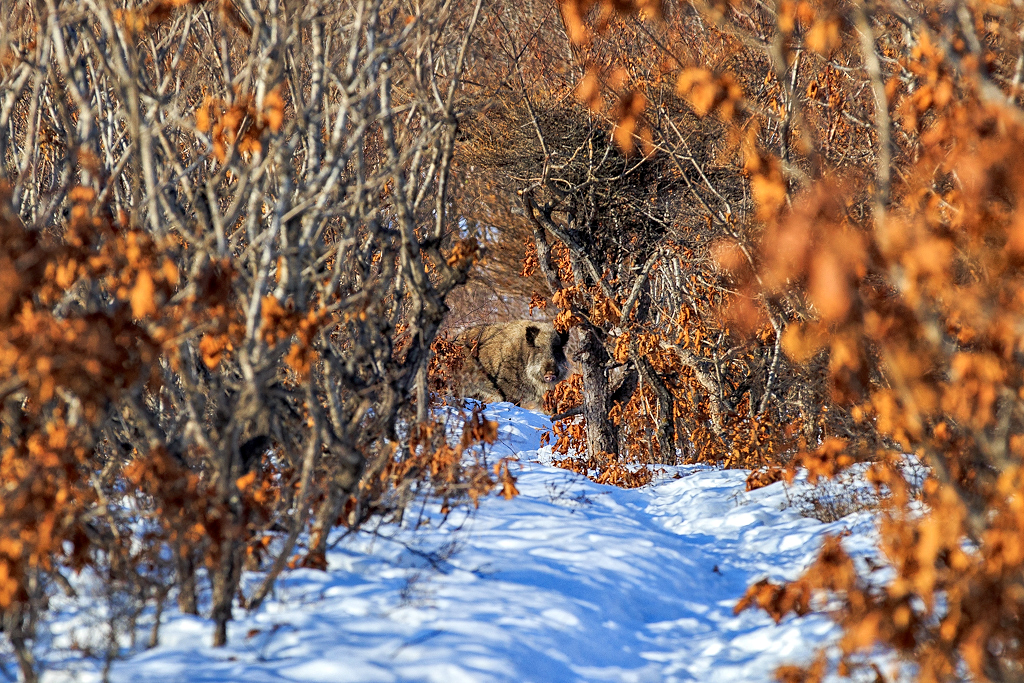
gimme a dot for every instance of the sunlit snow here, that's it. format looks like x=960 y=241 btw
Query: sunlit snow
x=570 y=581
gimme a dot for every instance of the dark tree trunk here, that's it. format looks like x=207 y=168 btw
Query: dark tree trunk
x=26 y=660
x=666 y=419
x=225 y=585
x=18 y=626
x=325 y=519
x=223 y=578
x=187 y=603
x=592 y=357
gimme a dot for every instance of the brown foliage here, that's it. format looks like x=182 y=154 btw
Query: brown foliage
x=816 y=260
x=217 y=298
x=782 y=236
x=881 y=151
x=627 y=246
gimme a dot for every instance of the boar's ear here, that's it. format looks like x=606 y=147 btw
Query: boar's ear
x=531 y=334
x=563 y=337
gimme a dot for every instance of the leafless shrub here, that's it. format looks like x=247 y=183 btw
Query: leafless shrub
x=228 y=232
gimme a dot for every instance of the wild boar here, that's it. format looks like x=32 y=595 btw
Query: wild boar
x=516 y=361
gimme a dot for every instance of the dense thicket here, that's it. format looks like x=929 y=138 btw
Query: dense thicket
x=617 y=199
x=781 y=233
x=846 y=222
x=225 y=246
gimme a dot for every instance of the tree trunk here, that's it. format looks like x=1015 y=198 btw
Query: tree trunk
x=187 y=603
x=602 y=439
x=18 y=625
x=225 y=585
x=666 y=420
x=26 y=660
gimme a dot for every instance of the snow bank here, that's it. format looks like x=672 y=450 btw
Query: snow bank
x=571 y=581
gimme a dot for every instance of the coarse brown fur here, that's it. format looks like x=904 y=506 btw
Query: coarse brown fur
x=516 y=361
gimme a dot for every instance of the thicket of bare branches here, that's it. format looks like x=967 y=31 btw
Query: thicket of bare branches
x=858 y=268
x=616 y=198
x=225 y=249
x=785 y=234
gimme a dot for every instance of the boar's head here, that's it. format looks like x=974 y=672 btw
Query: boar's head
x=546 y=364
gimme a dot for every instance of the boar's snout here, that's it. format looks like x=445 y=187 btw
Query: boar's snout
x=548 y=360
x=553 y=370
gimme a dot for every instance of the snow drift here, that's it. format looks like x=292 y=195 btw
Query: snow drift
x=570 y=581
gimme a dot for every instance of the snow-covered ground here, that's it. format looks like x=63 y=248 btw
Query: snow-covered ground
x=570 y=581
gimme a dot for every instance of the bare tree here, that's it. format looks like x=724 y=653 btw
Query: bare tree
x=274 y=178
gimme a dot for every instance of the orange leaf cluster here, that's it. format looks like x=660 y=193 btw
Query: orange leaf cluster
x=708 y=92
x=280 y=324
x=606 y=470
x=238 y=124
x=454 y=471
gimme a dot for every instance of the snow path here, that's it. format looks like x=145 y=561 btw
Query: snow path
x=571 y=581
